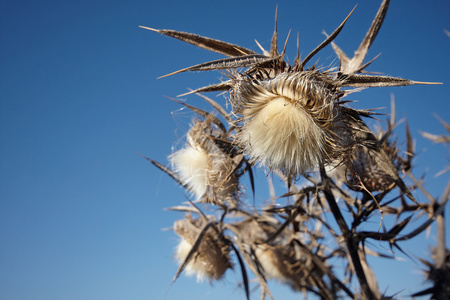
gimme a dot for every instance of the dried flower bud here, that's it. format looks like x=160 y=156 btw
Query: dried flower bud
x=282 y=263
x=207 y=170
x=280 y=259
x=211 y=258
x=374 y=167
x=368 y=168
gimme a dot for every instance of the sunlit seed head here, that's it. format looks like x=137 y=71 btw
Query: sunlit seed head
x=266 y=259
x=283 y=136
x=192 y=165
x=207 y=170
x=285 y=120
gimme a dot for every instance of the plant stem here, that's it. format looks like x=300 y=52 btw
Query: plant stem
x=352 y=244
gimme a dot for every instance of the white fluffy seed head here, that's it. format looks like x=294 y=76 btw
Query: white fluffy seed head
x=192 y=165
x=284 y=136
x=286 y=120
x=208 y=171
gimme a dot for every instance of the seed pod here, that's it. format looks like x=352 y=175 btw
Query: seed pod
x=278 y=259
x=211 y=258
x=209 y=172
x=374 y=167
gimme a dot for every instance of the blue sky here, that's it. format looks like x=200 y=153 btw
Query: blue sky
x=81 y=213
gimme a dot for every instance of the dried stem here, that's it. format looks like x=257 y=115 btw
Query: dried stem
x=351 y=242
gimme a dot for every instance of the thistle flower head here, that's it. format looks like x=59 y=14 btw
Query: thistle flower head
x=207 y=170
x=285 y=120
x=280 y=258
x=375 y=164
x=211 y=258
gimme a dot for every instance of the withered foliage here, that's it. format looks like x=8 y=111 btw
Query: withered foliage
x=292 y=120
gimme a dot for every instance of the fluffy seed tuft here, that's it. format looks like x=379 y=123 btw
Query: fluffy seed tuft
x=283 y=136
x=192 y=165
x=285 y=121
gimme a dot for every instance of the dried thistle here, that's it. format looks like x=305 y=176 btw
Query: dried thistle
x=292 y=119
x=267 y=255
x=285 y=120
x=208 y=170
x=211 y=258
x=372 y=170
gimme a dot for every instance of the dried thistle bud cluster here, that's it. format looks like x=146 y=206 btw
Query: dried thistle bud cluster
x=293 y=120
x=438 y=276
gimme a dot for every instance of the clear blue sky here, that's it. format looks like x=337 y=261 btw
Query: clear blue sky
x=81 y=213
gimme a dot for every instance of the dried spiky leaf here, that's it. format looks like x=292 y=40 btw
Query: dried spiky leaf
x=328 y=40
x=354 y=65
x=226 y=63
x=166 y=170
x=440 y=139
x=204 y=42
x=223 y=86
x=378 y=81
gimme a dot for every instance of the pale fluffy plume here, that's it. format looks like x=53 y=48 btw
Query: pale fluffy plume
x=192 y=166
x=285 y=120
x=283 y=136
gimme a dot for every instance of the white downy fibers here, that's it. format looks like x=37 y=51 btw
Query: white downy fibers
x=282 y=135
x=192 y=166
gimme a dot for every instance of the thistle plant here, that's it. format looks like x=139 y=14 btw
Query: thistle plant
x=293 y=121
